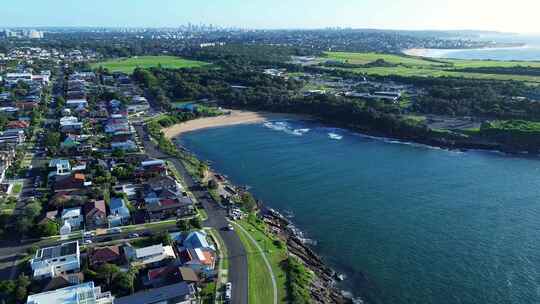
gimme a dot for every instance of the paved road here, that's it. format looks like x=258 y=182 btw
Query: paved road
x=238 y=268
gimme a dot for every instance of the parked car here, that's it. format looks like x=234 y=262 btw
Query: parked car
x=133 y=235
x=230 y=227
x=147 y=233
x=228 y=291
x=115 y=230
x=88 y=241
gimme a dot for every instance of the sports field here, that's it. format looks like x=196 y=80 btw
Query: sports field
x=127 y=65
x=418 y=66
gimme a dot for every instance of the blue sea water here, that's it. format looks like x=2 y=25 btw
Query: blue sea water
x=406 y=223
x=530 y=52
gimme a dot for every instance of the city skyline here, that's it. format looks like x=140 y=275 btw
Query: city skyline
x=300 y=14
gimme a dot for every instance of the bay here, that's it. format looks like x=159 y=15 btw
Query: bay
x=406 y=223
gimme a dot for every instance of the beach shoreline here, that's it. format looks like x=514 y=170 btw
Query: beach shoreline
x=233 y=117
x=425 y=52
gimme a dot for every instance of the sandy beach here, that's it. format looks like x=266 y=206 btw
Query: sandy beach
x=415 y=52
x=234 y=118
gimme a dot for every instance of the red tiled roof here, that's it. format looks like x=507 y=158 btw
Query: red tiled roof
x=104 y=254
x=208 y=258
x=156 y=273
x=18 y=124
x=98 y=205
x=168 y=202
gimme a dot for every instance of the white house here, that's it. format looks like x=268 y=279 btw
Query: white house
x=76 y=103
x=149 y=255
x=72 y=216
x=50 y=262
x=84 y=293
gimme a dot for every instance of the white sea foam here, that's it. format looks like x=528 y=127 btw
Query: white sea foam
x=334 y=136
x=285 y=127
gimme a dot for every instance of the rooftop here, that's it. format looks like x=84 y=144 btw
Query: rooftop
x=84 y=293
x=176 y=293
x=58 y=251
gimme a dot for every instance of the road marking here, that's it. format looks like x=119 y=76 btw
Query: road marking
x=264 y=258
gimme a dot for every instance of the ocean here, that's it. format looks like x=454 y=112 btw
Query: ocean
x=530 y=52
x=404 y=222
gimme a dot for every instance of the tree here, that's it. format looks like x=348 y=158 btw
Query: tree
x=195 y=222
x=183 y=225
x=123 y=283
x=212 y=184
x=52 y=141
x=118 y=153
x=48 y=228
x=248 y=201
x=24 y=224
x=107 y=272
x=60 y=102
x=7 y=290
x=33 y=209
x=203 y=168
x=22 y=288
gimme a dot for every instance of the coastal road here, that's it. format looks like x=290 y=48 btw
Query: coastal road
x=217 y=219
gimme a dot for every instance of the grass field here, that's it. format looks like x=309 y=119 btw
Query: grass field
x=260 y=284
x=127 y=65
x=417 y=66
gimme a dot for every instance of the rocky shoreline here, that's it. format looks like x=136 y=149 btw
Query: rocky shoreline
x=324 y=287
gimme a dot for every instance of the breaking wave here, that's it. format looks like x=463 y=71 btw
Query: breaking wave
x=285 y=127
x=335 y=136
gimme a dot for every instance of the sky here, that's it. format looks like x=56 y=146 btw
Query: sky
x=508 y=16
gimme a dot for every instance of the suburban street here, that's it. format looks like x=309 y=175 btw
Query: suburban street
x=238 y=267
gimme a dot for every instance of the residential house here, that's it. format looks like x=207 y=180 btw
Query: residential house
x=70 y=124
x=70 y=142
x=151 y=168
x=70 y=183
x=6 y=158
x=63 y=280
x=95 y=214
x=50 y=216
x=71 y=220
x=76 y=103
x=198 y=259
x=180 y=293
x=12 y=137
x=85 y=293
x=126 y=145
x=170 y=274
x=197 y=239
x=101 y=255
x=164 y=197
x=62 y=167
x=150 y=256
x=17 y=125
x=117 y=123
x=119 y=213
x=50 y=262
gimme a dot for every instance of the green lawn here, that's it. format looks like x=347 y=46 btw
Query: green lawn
x=260 y=283
x=127 y=65
x=363 y=58
x=417 y=66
